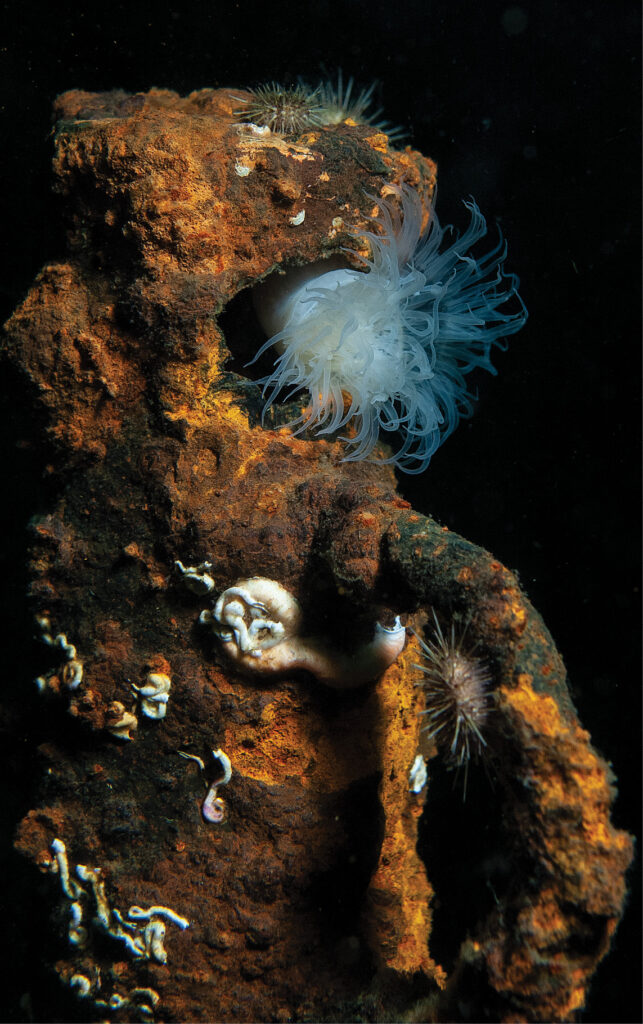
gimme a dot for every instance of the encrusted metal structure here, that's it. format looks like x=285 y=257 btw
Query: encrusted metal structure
x=297 y=891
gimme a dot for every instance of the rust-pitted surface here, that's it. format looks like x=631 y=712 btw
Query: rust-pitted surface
x=309 y=900
x=399 y=895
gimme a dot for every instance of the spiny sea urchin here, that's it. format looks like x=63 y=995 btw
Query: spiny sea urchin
x=285 y=110
x=291 y=109
x=457 y=695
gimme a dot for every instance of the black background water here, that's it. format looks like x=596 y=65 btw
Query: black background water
x=532 y=108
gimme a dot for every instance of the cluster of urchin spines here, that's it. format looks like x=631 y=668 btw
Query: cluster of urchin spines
x=457 y=694
x=285 y=110
x=293 y=109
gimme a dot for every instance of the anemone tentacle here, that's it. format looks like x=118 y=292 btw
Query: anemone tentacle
x=398 y=336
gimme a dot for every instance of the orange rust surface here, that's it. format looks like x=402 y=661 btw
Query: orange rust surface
x=567 y=773
x=399 y=894
x=582 y=855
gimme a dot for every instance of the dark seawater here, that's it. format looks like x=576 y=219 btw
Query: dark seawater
x=532 y=108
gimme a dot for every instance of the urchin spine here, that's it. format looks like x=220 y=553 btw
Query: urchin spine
x=457 y=694
x=285 y=110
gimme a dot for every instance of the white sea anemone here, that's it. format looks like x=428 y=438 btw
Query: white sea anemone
x=387 y=349
x=339 y=103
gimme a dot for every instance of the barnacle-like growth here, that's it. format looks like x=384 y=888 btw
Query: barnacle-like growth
x=197 y=577
x=154 y=694
x=71 y=672
x=255 y=615
x=258 y=622
x=213 y=807
x=142 y=935
x=417 y=775
x=119 y=721
x=397 y=338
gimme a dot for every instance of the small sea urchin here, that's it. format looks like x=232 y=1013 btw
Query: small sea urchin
x=456 y=690
x=292 y=109
x=285 y=110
